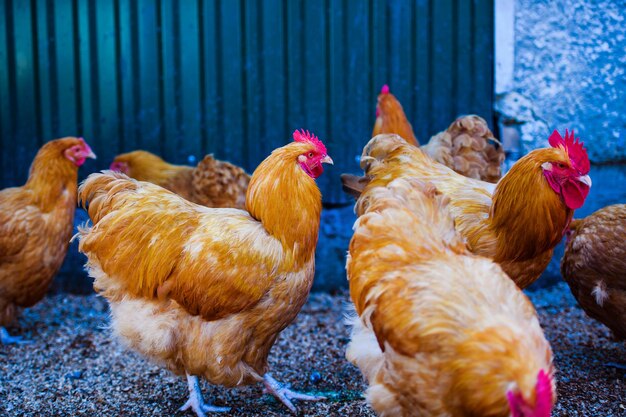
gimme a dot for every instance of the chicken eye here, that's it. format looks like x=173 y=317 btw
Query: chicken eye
x=560 y=165
x=310 y=154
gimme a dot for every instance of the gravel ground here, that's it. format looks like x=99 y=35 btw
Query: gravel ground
x=73 y=367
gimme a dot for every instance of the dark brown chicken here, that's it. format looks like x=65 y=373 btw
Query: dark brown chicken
x=594 y=266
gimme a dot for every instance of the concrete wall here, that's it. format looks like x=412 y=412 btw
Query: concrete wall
x=568 y=72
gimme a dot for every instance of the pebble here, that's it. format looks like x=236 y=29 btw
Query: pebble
x=309 y=355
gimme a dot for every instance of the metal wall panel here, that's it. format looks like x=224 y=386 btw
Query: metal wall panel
x=234 y=77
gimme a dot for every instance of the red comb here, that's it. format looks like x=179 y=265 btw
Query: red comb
x=543 y=399
x=574 y=148
x=87 y=147
x=305 y=136
x=543 y=393
x=385 y=89
x=515 y=403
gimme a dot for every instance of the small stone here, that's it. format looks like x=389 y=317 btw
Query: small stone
x=74 y=375
x=315 y=377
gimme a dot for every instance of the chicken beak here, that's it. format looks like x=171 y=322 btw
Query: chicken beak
x=327 y=160
x=89 y=153
x=585 y=179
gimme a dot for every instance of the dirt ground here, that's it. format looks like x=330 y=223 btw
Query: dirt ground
x=73 y=367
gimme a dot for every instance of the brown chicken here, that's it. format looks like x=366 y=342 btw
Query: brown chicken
x=206 y=291
x=467 y=145
x=517 y=222
x=211 y=183
x=594 y=266
x=440 y=332
x=36 y=222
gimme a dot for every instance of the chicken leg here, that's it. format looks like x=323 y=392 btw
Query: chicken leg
x=7 y=339
x=284 y=394
x=196 y=402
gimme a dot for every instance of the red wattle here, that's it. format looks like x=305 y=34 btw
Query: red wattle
x=313 y=172
x=574 y=193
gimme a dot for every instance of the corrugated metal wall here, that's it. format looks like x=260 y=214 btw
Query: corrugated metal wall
x=233 y=77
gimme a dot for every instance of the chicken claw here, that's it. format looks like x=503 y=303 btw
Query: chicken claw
x=196 y=402
x=7 y=339
x=284 y=394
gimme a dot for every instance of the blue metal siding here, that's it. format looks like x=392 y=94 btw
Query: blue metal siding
x=233 y=77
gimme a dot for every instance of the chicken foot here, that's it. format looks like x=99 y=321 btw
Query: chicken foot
x=196 y=402
x=7 y=339
x=284 y=394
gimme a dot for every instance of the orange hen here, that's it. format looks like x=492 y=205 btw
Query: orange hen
x=205 y=291
x=36 y=222
x=517 y=222
x=212 y=183
x=440 y=331
x=467 y=145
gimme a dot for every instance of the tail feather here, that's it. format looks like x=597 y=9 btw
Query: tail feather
x=219 y=183
x=96 y=194
x=468 y=147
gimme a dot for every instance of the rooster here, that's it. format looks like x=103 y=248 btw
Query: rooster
x=516 y=222
x=211 y=183
x=440 y=331
x=206 y=291
x=36 y=222
x=594 y=266
x=467 y=146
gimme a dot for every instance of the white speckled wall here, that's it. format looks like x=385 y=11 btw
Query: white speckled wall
x=569 y=71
